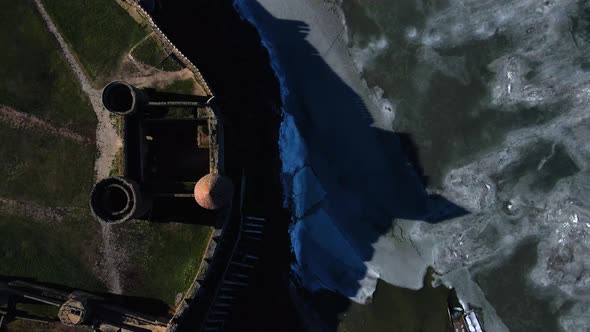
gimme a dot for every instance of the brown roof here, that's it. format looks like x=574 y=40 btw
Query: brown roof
x=213 y=191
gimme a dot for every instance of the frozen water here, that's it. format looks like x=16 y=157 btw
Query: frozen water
x=365 y=56
x=495 y=94
x=531 y=180
x=326 y=254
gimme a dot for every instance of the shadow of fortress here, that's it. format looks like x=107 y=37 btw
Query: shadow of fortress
x=370 y=176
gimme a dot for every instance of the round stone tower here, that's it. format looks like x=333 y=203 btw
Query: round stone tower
x=117 y=199
x=214 y=191
x=73 y=312
x=122 y=98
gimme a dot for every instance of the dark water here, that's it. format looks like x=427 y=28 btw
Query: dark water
x=392 y=309
x=441 y=94
x=507 y=282
x=493 y=95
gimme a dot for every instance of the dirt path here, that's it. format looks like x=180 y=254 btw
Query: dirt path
x=154 y=78
x=107 y=140
x=34 y=211
x=21 y=120
x=108 y=143
x=114 y=259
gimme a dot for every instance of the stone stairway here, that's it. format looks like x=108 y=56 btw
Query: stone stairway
x=236 y=277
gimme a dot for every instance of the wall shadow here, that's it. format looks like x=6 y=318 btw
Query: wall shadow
x=180 y=210
x=143 y=305
x=157 y=96
x=370 y=176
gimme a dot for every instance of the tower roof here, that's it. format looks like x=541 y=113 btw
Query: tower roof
x=213 y=191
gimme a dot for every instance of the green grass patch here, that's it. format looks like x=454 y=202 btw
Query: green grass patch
x=117 y=164
x=55 y=172
x=46 y=169
x=164 y=258
x=150 y=52
x=35 y=77
x=50 y=252
x=100 y=32
x=42 y=310
x=185 y=87
x=170 y=64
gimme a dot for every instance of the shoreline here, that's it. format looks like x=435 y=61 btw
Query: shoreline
x=301 y=181
x=323 y=92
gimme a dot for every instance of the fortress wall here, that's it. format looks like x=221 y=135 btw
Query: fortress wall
x=169 y=46
x=191 y=294
x=209 y=269
x=216 y=165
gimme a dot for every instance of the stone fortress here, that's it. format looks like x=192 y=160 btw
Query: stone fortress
x=172 y=149
x=172 y=172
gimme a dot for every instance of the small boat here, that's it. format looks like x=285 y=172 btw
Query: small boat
x=461 y=316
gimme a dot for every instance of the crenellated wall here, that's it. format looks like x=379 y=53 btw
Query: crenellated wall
x=169 y=46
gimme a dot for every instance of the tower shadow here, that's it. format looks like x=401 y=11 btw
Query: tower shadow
x=29 y=290
x=370 y=176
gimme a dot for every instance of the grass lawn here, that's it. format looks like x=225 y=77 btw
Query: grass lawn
x=50 y=171
x=45 y=169
x=164 y=258
x=35 y=77
x=43 y=310
x=170 y=64
x=186 y=87
x=56 y=252
x=40 y=168
x=100 y=32
x=151 y=52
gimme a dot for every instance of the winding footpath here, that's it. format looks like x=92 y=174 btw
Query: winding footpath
x=107 y=140
x=22 y=120
x=35 y=211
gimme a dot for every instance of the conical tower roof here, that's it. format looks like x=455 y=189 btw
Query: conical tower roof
x=213 y=191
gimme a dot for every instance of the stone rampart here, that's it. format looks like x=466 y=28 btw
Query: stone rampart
x=169 y=46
